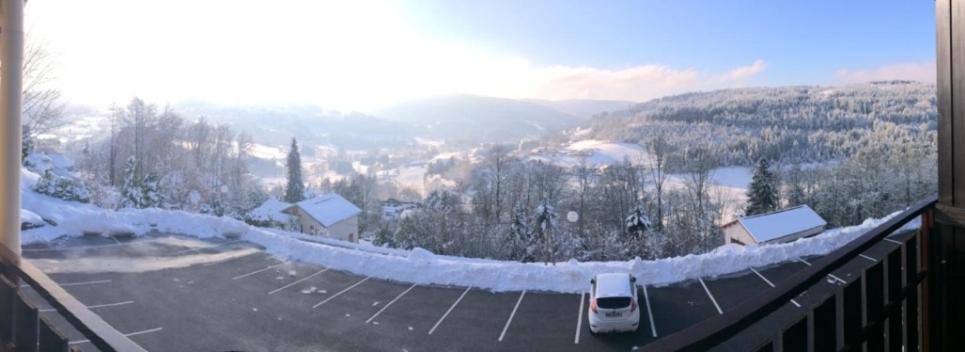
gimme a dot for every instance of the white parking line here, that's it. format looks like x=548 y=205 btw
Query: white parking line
x=829 y=275
x=142 y=332
x=868 y=258
x=579 y=319
x=762 y=277
x=837 y=278
x=48 y=310
x=893 y=241
x=712 y=299
x=646 y=297
x=772 y=285
x=296 y=281
x=390 y=303
x=511 y=315
x=340 y=292
x=115 y=239
x=82 y=283
x=453 y=306
x=256 y=271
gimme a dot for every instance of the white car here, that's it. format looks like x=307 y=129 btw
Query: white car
x=613 y=303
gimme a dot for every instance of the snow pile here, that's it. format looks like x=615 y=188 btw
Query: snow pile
x=419 y=265
x=422 y=267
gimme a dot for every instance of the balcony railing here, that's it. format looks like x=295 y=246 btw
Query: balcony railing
x=883 y=309
x=22 y=328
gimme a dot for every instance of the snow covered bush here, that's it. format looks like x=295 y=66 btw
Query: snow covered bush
x=62 y=187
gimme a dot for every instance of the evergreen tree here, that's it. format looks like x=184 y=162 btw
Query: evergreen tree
x=762 y=193
x=152 y=197
x=519 y=239
x=295 y=191
x=27 y=145
x=132 y=195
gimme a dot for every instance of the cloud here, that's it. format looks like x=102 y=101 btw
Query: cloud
x=637 y=83
x=922 y=72
x=745 y=72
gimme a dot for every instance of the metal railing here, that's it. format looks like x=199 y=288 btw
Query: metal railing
x=882 y=309
x=22 y=328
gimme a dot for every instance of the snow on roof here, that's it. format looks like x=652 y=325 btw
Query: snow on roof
x=771 y=226
x=270 y=210
x=613 y=285
x=328 y=208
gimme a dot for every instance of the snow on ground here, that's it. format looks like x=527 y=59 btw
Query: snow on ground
x=262 y=151
x=418 y=265
x=599 y=153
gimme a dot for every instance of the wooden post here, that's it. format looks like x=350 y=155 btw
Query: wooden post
x=944 y=244
x=11 y=67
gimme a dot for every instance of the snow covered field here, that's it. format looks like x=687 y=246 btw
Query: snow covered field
x=417 y=265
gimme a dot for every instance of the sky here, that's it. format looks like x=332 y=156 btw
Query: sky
x=365 y=55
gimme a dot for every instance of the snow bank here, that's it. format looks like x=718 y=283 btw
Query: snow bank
x=423 y=267
x=419 y=265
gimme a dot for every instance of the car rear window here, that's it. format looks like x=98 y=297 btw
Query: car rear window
x=613 y=302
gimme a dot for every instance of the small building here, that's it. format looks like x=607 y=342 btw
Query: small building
x=784 y=225
x=327 y=215
x=394 y=209
x=270 y=214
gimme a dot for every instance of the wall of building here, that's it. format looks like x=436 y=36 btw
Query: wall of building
x=739 y=233
x=346 y=230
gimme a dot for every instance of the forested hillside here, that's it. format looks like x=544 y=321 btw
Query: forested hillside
x=791 y=124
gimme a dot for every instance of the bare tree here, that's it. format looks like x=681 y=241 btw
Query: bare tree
x=659 y=150
x=43 y=108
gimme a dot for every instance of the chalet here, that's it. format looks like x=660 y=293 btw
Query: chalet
x=327 y=215
x=270 y=214
x=784 y=225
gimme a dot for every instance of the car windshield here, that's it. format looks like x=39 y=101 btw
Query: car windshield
x=613 y=302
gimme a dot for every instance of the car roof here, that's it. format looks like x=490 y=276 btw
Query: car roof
x=613 y=285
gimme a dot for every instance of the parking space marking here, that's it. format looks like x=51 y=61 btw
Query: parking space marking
x=511 y=315
x=386 y=306
x=296 y=281
x=93 y=246
x=868 y=258
x=48 y=310
x=712 y=299
x=837 y=278
x=82 y=283
x=142 y=332
x=115 y=239
x=579 y=319
x=804 y=261
x=453 y=306
x=762 y=277
x=893 y=241
x=340 y=292
x=242 y=276
x=772 y=285
x=646 y=297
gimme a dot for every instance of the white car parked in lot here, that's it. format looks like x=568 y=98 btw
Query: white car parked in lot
x=613 y=303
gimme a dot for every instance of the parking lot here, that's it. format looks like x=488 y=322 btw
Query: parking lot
x=175 y=293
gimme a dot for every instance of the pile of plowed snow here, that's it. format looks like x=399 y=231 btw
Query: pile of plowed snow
x=418 y=265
